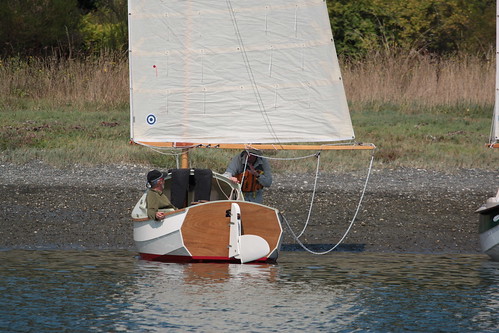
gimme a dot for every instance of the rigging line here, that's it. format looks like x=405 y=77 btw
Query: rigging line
x=221 y=189
x=286 y=158
x=318 y=156
x=245 y=165
x=159 y=151
x=351 y=222
x=244 y=169
x=313 y=195
x=259 y=100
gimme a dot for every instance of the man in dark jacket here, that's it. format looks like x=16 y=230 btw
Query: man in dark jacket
x=252 y=171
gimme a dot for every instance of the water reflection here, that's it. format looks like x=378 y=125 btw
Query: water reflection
x=210 y=273
x=114 y=291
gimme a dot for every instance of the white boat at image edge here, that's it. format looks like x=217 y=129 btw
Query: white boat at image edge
x=489 y=212
x=234 y=74
x=489 y=227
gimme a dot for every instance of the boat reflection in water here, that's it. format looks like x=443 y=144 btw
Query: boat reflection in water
x=110 y=291
x=380 y=292
x=208 y=273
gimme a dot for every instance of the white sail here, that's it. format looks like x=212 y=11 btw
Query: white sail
x=494 y=134
x=235 y=71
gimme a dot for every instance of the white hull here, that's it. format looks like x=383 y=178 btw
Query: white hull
x=489 y=227
x=160 y=238
x=213 y=231
x=489 y=241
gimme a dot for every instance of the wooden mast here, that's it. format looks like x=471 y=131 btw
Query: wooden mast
x=184 y=162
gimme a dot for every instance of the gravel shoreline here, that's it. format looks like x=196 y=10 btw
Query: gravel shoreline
x=403 y=210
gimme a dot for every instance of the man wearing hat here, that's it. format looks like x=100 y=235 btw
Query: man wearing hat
x=253 y=172
x=156 y=200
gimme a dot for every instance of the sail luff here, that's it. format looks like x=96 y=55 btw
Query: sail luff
x=132 y=119
x=494 y=136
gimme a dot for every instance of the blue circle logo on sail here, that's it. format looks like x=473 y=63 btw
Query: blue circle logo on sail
x=151 y=119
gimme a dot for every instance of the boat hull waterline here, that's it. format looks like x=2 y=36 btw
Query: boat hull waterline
x=205 y=233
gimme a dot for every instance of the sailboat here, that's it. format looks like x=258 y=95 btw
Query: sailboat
x=489 y=211
x=232 y=74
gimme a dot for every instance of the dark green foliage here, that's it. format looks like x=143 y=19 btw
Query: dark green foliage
x=38 y=27
x=62 y=27
x=73 y=27
x=355 y=26
x=87 y=5
x=441 y=27
x=105 y=27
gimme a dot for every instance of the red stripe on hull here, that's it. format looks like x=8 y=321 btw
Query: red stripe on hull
x=187 y=259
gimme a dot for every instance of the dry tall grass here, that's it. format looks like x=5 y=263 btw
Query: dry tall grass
x=414 y=79
x=101 y=81
x=395 y=78
x=413 y=93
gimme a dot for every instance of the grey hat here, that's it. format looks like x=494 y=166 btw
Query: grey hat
x=252 y=151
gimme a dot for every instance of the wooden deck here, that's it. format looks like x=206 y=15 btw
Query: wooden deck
x=206 y=227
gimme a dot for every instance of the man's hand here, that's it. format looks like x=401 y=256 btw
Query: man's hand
x=160 y=215
x=253 y=171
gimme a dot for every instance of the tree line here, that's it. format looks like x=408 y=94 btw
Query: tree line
x=83 y=27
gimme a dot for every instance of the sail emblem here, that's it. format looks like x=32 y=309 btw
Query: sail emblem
x=151 y=119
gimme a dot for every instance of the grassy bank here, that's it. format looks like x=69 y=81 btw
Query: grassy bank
x=419 y=111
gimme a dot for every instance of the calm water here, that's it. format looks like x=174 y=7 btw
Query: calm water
x=112 y=291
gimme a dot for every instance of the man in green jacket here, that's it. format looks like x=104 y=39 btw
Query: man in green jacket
x=156 y=200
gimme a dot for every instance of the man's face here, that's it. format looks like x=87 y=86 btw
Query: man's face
x=251 y=159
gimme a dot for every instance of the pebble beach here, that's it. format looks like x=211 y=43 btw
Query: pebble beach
x=402 y=211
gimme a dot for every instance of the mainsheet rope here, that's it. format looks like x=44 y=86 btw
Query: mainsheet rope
x=296 y=238
x=318 y=155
